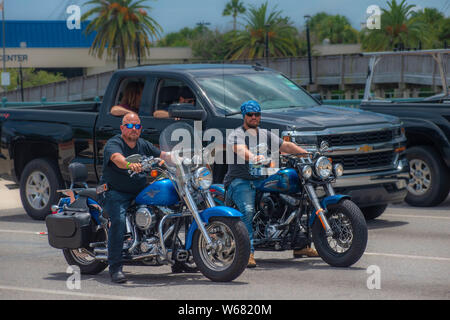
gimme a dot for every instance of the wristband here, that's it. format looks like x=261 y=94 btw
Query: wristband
x=128 y=165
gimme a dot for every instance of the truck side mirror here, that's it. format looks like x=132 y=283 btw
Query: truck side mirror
x=186 y=111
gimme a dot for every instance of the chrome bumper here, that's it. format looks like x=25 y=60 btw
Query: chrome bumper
x=398 y=175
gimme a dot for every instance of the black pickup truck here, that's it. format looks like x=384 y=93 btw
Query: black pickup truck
x=38 y=143
x=427 y=126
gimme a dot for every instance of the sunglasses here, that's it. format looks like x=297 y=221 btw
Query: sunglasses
x=130 y=126
x=251 y=114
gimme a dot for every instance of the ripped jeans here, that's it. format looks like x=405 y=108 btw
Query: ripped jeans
x=242 y=193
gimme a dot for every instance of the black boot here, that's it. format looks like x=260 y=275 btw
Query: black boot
x=117 y=276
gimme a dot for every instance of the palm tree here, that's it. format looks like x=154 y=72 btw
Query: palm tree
x=398 y=29
x=250 y=43
x=432 y=19
x=335 y=28
x=122 y=26
x=233 y=8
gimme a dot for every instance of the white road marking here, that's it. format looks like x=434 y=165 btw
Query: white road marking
x=41 y=233
x=413 y=216
x=71 y=293
x=405 y=256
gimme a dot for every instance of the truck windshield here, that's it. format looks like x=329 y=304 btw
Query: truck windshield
x=272 y=91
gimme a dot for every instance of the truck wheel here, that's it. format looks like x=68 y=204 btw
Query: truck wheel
x=38 y=184
x=429 y=177
x=373 y=212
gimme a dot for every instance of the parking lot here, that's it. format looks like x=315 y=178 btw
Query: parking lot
x=407 y=257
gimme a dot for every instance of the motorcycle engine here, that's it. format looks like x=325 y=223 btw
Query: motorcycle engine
x=271 y=206
x=144 y=218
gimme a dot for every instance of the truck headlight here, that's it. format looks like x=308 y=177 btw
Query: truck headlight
x=202 y=178
x=338 y=169
x=309 y=143
x=323 y=167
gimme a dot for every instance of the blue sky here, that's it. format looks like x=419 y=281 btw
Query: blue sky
x=173 y=15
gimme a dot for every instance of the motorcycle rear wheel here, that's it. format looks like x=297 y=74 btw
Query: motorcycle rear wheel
x=349 y=239
x=230 y=260
x=84 y=259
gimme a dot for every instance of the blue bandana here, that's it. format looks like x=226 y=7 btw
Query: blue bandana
x=250 y=106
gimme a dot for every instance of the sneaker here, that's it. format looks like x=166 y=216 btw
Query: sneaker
x=306 y=251
x=251 y=261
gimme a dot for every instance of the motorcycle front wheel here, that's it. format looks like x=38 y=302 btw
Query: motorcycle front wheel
x=230 y=257
x=348 y=242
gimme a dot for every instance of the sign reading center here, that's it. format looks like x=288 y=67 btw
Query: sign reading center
x=14 y=57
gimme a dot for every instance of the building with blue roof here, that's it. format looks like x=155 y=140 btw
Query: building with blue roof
x=54 y=46
x=45 y=34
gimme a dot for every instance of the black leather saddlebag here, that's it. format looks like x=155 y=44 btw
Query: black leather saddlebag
x=69 y=229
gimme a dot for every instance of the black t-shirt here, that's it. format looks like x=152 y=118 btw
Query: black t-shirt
x=119 y=179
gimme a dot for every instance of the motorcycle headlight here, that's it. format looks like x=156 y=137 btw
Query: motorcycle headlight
x=338 y=169
x=202 y=178
x=323 y=167
x=307 y=172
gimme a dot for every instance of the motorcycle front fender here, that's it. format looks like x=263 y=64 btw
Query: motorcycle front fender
x=330 y=200
x=205 y=215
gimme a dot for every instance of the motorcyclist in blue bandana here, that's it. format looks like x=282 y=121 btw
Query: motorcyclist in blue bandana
x=239 y=181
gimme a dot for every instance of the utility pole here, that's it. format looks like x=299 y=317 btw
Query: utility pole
x=308 y=40
x=2 y=6
x=21 y=81
x=138 y=48
x=267 y=44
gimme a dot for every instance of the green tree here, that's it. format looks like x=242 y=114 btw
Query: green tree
x=398 y=29
x=432 y=20
x=260 y=22
x=212 y=46
x=335 y=28
x=444 y=32
x=32 y=78
x=121 y=26
x=234 y=8
x=184 y=37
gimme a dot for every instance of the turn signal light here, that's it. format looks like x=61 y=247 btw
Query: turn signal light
x=154 y=173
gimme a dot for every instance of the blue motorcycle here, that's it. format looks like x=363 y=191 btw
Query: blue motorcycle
x=297 y=206
x=164 y=225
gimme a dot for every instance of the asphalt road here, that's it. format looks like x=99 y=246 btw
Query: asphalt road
x=407 y=257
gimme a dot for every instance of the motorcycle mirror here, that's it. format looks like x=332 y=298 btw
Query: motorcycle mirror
x=134 y=158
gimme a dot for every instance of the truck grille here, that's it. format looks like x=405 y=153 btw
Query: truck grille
x=365 y=161
x=335 y=140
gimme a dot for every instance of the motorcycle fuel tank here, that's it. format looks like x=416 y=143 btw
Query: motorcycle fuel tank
x=285 y=181
x=158 y=193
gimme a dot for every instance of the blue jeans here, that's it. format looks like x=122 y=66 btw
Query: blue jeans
x=242 y=193
x=116 y=204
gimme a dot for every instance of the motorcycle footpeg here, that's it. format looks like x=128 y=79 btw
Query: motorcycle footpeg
x=181 y=255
